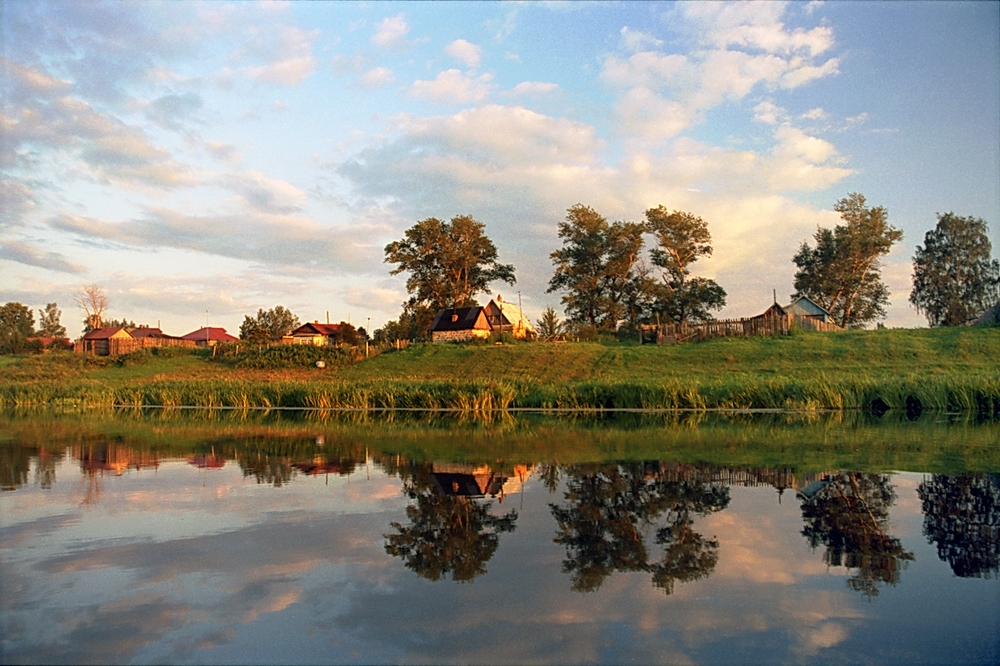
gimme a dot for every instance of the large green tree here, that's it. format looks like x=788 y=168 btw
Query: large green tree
x=449 y=263
x=17 y=324
x=48 y=322
x=681 y=239
x=598 y=267
x=268 y=325
x=954 y=278
x=842 y=272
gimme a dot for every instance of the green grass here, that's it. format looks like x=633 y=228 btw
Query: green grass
x=925 y=369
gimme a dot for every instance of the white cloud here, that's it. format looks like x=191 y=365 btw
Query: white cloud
x=292 y=62
x=756 y=26
x=376 y=78
x=264 y=194
x=452 y=86
x=533 y=88
x=636 y=40
x=391 y=31
x=224 y=151
x=465 y=51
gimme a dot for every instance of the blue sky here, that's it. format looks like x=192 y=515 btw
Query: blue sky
x=192 y=157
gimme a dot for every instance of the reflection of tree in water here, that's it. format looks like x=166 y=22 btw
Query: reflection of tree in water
x=962 y=517
x=849 y=516
x=448 y=533
x=611 y=508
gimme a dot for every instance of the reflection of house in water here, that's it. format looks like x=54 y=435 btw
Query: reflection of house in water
x=115 y=458
x=207 y=462
x=321 y=466
x=479 y=480
x=805 y=485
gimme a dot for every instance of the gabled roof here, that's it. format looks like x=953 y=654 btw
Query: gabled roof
x=511 y=313
x=105 y=333
x=806 y=306
x=316 y=328
x=460 y=319
x=211 y=334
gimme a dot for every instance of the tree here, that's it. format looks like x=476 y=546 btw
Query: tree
x=961 y=515
x=48 y=322
x=681 y=239
x=954 y=279
x=447 y=534
x=93 y=302
x=124 y=322
x=17 y=324
x=842 y=273
x=448 y=262
x=268 y=325
x=549 y=326
x=597 y=267
x=850 y=517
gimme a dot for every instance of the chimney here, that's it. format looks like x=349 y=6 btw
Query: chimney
x=454 y=317
x=499 y=298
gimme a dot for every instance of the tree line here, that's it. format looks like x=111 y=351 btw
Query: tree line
x=610 y=282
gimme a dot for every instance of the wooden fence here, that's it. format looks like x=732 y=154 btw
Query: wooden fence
x=772 y=324
x=117 y=346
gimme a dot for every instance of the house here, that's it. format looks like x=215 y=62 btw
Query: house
x=314 y=334
x=208 y=336
x=99 y=340
x=147 y=332
x=460 y=325
x=804 y=306
x=505 y=317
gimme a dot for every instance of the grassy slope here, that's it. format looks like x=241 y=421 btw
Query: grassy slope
x=943 y=368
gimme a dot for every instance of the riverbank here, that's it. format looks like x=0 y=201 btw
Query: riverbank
x=913 y=370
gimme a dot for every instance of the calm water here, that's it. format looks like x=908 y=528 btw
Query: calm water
x=151 y=537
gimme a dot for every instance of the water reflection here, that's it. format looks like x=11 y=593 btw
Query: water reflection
x=301 y=536
x=451 y=528
x=609 y=512
x=962 y=518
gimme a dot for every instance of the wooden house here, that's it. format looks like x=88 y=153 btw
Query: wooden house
x=207 y=336
x=314 y=334
x=803 y=306
x=505 y=317
x=460 y=325
x=99 y=340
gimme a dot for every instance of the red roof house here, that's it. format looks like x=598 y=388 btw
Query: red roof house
x=208 y=336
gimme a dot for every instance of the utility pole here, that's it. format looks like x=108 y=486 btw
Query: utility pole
x=368 y=335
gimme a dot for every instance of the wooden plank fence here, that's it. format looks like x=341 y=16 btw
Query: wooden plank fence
x=771 y=324
x=118 y=346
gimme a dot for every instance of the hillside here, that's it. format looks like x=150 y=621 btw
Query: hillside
x=950 y=369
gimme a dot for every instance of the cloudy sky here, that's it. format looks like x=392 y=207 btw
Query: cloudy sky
x=193 y=157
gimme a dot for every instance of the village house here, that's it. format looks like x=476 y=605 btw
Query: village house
x=465 y=324
x=208 y=336
x=460 y=325
x=98 y=341
x=314 y=334
x=117 y=340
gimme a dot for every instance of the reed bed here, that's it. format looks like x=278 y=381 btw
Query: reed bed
x=979 y=394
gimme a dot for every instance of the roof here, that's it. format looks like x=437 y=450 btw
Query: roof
x=460 y=319
x=512 y=314
x=316 y=328
x=146 y=332
x=210 y=333
x=105 y=333
x=806 y=306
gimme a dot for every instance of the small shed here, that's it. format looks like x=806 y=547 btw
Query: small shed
x=208 y=336
x=98 y=341
x=460 y=325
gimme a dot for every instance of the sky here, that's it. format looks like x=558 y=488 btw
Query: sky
x=200 y=161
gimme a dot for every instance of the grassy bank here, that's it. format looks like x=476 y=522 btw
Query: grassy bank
x=914 y=370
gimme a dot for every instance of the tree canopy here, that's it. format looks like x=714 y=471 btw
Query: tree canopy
x=449 y=262
x=842 y=272
x=93 y=301
x=682 y=238
x=597 y=267
x=954 y=278
x=268 y=325
x=48 y=322
x=17 y=324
